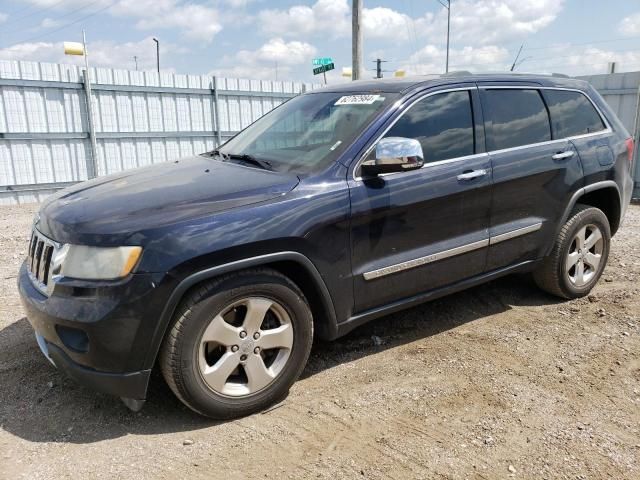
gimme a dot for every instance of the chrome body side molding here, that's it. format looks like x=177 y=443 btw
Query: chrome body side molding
x=418 y=262
x=515 y=233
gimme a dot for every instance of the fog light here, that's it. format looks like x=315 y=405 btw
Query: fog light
x=74 y=339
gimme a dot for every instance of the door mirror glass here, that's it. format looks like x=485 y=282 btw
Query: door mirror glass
x=394 y=154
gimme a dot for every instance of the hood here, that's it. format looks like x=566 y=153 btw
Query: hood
x=157 y=196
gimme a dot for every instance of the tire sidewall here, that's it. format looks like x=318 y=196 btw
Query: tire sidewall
x=592 y=216
x=200 y=396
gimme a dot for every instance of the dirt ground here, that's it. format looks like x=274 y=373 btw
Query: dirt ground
x=498 y=381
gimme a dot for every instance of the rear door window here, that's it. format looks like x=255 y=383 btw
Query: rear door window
x=442 y=123
x=515 y=117
x=572 y=114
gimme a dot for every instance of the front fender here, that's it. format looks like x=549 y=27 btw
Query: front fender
x=262 y=260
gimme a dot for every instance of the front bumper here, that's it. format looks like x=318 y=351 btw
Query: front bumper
x=98 y=334
x=125 y=385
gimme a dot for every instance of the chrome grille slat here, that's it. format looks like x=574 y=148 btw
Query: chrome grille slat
x=39 y=258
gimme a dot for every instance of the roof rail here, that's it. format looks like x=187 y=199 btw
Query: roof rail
x=561 y=75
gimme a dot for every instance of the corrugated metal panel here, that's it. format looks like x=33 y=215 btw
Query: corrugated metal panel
x=44 y=129
x=620 y=90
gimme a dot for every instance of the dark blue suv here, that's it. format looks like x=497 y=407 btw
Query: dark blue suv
x=339 y=206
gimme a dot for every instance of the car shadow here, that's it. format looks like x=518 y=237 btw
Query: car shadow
x=40 y=404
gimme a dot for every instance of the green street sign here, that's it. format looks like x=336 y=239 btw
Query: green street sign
x=323 y=68
x=322 y=61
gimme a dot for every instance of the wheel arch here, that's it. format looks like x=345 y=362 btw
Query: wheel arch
x=294 y=265
x=603 y=195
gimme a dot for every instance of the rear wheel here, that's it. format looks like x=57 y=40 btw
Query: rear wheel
x=238 y=343
x=579 y=255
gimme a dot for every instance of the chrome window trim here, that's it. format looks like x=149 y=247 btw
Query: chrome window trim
x=606 y=123
x=607 y=130
x=390 y=126
x=434 y=257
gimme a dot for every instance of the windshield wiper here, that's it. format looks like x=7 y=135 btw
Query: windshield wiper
x=216 y=153
x=244 y=157
x=250 y=159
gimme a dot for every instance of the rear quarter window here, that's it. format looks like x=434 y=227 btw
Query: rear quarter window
x=572 y=114
x=516 y=118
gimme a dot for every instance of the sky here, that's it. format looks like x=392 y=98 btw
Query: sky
x=278 y=39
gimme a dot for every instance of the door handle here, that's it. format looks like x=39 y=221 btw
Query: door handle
x=563 y=155
x=472 y=174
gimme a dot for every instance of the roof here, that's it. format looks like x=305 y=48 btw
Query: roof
x=406 y=84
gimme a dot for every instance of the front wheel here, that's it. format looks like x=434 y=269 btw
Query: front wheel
x=579 y=254
x=238 y=343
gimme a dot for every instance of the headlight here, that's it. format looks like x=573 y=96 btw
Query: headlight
x=95 y=263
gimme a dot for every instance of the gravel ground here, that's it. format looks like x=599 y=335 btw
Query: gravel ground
x=498 y=381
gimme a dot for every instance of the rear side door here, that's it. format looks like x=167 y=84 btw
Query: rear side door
x=419 y=230
x=534 y=173
x=574 y=116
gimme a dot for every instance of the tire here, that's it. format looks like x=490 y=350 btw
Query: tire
x=205 y=342
x=559 y=273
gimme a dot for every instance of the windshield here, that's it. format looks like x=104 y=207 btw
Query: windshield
x=305 y=134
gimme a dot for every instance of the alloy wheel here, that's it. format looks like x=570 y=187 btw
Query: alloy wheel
x=584 y=255
x=245 y=346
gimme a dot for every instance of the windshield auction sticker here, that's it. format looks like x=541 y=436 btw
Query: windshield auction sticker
x=358 y=99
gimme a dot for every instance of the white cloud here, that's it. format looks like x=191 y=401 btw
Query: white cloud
x=382 y=22
x=330 y=17
x=473 y=21
x=277 y=50
x=630 y=25
x=102 y=53
x=490 y=21
x=431 y=59
x=564 y=59
x=50 y=23
x=581 y=61
x=239 y=3
x=263 y=62
x=196 y=21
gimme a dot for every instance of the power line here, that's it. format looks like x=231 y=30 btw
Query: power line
x=55 y=18
x=593 y=42
x=41 y=10
x=461 y=63
x=36 y=37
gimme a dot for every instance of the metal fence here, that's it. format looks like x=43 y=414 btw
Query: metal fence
x=141 y=118
x=622 y=92
x=138 y=118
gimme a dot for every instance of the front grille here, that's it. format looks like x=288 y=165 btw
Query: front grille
x=41 y=250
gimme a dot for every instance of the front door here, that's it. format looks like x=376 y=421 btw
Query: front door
x=419 y=230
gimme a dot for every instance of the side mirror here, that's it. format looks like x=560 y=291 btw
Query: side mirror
x=394 y=154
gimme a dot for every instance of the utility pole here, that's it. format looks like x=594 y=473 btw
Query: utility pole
x=157 y=53
x=356 y=40
x=448 y=7
x=93 y=166
x=379 y=63
x=135 y=59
